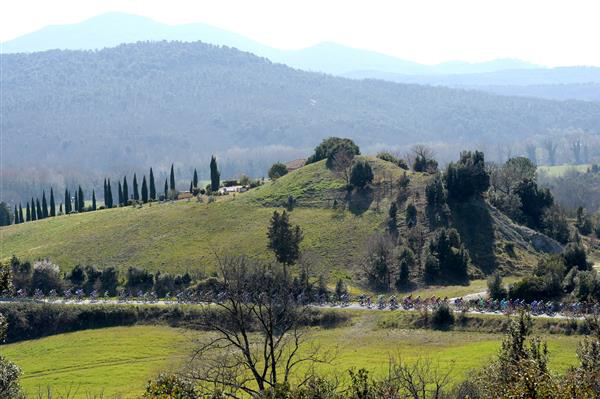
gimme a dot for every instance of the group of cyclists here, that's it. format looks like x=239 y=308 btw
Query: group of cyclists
x=381 y=302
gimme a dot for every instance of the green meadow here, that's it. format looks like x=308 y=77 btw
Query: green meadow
x=118 y=361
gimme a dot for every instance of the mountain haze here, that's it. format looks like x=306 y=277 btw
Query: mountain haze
x=112 y=29
x=144 y=104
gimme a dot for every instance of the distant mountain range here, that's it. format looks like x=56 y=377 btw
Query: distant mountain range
x=112 y=29
x=502 y=76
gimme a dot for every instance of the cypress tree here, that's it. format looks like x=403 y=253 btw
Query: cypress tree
x=16 y=217
x=215 y=176
x=111 y=201
x=136 y=192
x=81 y=200
x=144 y=190
x=76 y=202
x=38 y=211
x=67 y=201
x=120 y=195
x=125 y=191
x=105 y=194
x=60 y=208
x=21 y=220
x=152 y=186
x=93 y=200
x=33 y=212
x=172 y=179
x=166 y=190
x=28 y=215
x=191 y=186
x=195 y=179
x=52 y=203
x=44 y=205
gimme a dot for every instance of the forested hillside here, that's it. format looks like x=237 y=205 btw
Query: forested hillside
x=143 y=104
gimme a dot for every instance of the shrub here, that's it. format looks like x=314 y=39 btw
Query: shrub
x=277 y=170
x=574 y=256
x=386 y=156
x=442 y=318
x=361 y=174
x=495 y=288
x=452 y=259
x=46 y=277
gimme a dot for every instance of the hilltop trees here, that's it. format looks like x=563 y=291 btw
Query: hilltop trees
x=330 y=146
x=467 y=177
x=215 y=176
x=284 y=238
x=277 y=170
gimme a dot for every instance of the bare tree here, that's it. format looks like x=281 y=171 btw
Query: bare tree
x=530 y=149
x=342 y=164
x=551 y=146
x=255 y=332
x=577 y=148
x=420 y=380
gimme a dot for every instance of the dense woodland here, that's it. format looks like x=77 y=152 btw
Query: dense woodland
x=99 y=112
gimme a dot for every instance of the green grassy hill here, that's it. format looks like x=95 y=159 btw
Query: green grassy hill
x=187 y=235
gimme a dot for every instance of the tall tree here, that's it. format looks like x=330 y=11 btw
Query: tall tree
x=191 y=186
x=136 y=192
x=81 y=200
x=60 y=208
x=76 y=201
x=44 y=205
x=144 y=190
x=120 y=194
x=21 y=220
x=152 y=186
x=105 y=193
x=52 y=203
x=284 y=239
x=215 y=176
x=33 y=211
x=16 y=216
x=28 y=215
x=4 y=214
x=38 y=211
x=195 y=181
x=93 y=200
x=109 y=199
x=166 y=190
x=125 y=191
x=172 y=179
x=67 y=201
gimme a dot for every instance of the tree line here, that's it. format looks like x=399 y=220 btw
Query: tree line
x=36 y=209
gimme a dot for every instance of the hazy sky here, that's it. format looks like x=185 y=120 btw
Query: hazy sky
x=546 y=32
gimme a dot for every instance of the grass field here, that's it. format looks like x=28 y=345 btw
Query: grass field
x=560 y=170
x=109 y=361
x=120 y=360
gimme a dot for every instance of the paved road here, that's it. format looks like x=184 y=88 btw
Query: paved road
x=352 y=305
